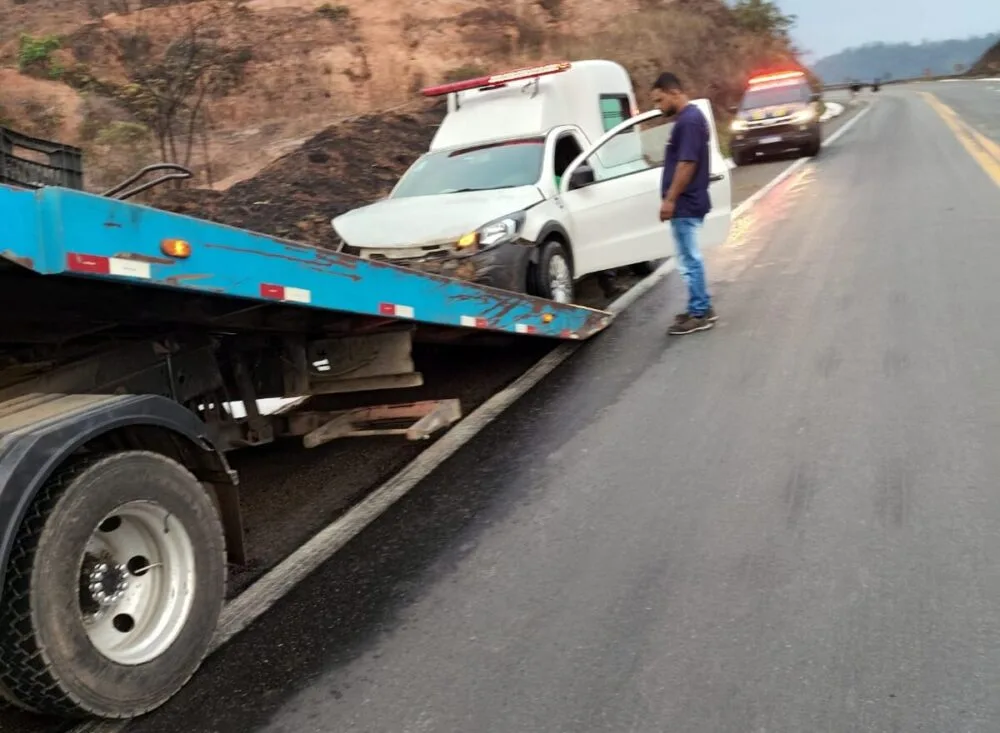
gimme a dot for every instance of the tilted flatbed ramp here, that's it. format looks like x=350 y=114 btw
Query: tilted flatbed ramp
x=56 y=231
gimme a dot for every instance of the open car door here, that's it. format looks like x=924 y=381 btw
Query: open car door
x=612 y=195
x=720 y=187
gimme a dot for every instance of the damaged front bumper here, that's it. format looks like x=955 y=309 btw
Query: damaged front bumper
x=503 y=266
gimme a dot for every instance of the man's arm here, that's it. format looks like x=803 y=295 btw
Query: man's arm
x=682 y=177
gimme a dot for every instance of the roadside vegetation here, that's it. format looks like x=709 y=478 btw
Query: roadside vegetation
x=224 y=85
x=989 y=63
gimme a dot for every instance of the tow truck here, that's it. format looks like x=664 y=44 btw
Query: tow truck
x=136 y=349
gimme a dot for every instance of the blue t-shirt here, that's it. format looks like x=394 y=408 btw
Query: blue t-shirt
x=689 y=143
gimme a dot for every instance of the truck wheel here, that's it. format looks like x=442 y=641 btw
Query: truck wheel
x=114 y=588
x=553 y=275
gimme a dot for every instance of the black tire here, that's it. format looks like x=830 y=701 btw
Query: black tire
x=741 y=159
x=541 y=273
x=645 y=269
x=812 y=150
x=47 y=661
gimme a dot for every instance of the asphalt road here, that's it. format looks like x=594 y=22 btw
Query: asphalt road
x=290 y=494
x=978 y=102
x=790 y=523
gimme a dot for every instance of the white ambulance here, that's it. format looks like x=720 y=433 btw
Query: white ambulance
x=535 y=178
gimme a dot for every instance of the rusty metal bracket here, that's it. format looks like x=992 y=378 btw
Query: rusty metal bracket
x=415 y=420
x=361 y=363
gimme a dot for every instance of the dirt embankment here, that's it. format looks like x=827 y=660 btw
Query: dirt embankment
x=345 y=166
x=292 y=67
x=988 y=64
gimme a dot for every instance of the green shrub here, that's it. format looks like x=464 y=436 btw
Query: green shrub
x=334 y=12
x=124 y=134
x=35 y=54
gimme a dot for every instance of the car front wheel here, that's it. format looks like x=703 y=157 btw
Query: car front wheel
x=553 y=274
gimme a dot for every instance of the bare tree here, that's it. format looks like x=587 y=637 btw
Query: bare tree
x=168 y=83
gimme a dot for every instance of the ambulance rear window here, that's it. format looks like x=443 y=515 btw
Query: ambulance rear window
x=614 y=110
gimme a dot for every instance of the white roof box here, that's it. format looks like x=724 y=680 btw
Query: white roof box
x=528 y=102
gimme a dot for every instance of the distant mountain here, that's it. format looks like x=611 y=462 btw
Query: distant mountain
x=903 y=60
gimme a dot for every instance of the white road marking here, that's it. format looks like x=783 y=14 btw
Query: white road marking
x=260 y=597
x=833 y=109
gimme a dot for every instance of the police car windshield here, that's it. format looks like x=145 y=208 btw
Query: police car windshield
x=771 y=96
x=486 y=167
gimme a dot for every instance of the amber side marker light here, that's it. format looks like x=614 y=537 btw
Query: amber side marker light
x=175 y=248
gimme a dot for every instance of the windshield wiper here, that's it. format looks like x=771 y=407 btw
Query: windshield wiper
x=491 y=188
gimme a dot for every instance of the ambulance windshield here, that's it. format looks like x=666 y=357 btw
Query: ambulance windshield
x=485 y=167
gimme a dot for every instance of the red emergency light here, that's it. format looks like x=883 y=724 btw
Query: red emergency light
x=496 y=80
x=777 y=77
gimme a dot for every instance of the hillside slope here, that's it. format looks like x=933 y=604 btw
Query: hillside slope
x=989 y=62
x=227 y=85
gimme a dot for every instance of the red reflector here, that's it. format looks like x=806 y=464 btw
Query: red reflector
x=275 y=292
x=88 y=263
x=495 y=79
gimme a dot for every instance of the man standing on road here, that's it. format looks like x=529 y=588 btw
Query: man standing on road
x=685 y=197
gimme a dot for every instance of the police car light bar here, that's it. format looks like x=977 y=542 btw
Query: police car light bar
x=496 y=80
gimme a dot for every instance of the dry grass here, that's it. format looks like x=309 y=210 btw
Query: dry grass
x=708 y=53
x=314 y=62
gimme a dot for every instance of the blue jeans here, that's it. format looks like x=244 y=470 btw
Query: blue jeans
x=691 y=265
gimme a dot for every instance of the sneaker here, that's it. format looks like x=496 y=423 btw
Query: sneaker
x=711 y=316
x=691 y=324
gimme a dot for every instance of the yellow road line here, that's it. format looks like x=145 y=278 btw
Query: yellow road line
x=983 y=150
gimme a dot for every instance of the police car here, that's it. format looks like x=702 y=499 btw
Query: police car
x=779 y=113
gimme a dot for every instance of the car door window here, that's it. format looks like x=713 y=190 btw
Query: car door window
x=566 y=150
x=633 y=149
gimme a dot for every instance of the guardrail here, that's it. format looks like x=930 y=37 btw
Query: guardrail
x=907 y=80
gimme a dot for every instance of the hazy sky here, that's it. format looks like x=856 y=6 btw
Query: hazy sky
x=828 y=26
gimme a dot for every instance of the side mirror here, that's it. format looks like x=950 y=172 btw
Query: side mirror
x=815 y=97
x=581 y=177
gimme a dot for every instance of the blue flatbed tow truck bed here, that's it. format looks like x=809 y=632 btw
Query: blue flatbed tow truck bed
x=136 y=349
x=57 y=232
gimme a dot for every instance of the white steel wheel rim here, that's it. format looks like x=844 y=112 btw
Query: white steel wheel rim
x=560 y=279
x=137 y=580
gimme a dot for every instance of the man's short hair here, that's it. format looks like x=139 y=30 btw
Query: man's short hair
x=668 y=82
